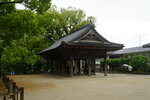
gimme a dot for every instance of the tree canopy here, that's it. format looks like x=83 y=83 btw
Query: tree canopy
x=23 y=33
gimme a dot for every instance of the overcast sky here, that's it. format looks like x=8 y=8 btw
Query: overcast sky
x=120 y=21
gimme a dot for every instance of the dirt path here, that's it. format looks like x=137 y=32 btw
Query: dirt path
x=98 y=87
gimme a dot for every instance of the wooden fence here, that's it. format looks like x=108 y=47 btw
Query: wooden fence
x=13 y=91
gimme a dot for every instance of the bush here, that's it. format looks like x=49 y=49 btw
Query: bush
x=116 y=64
x=139 y=63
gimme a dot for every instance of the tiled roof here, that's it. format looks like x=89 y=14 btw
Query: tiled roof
x=130 y=50
x=146 y=45
x=68 y=39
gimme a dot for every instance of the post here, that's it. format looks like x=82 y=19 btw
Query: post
x=64 y=67
x=105 y=69
x=57 y=66
x=79 y=67
x=52 y=66
x=21 y=93
x=47 y=64
x=94 y=67
x=89 y=67
x=14 y=91
x=71 y=70
x=17 y=94
x=10 y=86
x=4 y=98
x=60 y=67
x=71 y=67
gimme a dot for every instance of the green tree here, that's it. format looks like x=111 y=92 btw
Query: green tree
x=39 y=6
x=6 y=8
x=23 y=33
x=17 y=58
x=75 y=18
x=15 y=25
x=139 y=63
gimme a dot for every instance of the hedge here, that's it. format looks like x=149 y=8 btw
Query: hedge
x=115 y=64
x=138 y=62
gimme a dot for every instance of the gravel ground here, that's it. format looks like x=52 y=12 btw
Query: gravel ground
x=97 y=87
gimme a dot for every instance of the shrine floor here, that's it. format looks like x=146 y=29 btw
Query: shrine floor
x=96 y=87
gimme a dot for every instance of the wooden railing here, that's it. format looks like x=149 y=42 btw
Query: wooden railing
x=13 y=91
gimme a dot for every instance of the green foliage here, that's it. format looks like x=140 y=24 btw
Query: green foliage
x=18 y=57
x=116 y=62
x=23 y=33
x=7 y=8
x=139 y=63
x=18 y=24
x=39 y=6
x=75 y=18
x=130 y=55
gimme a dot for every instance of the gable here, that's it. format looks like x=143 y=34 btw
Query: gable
x=83 y=35
x=91 y=36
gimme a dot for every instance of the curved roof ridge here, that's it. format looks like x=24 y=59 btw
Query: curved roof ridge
x=69 y=37
x=90 y=24
x=77 y=35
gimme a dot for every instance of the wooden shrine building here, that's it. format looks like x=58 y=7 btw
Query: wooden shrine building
x=75 y=53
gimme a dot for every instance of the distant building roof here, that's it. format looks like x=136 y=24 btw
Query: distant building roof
x=146 y=45
x=130 y=50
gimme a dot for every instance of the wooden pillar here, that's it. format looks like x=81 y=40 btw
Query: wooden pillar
x=76 y=67
x=4 y=98
x=105 y=69
x=79 y=70
x=22 y=93
x=52 y=66
x=89 y=67
x=71 y=70
x=94 y=66
x=59 y=66
x=65 y=67
x=48 y=64
x=71 y=67
x=14 y=91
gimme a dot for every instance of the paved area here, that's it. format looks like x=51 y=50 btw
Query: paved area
x=97 y=87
